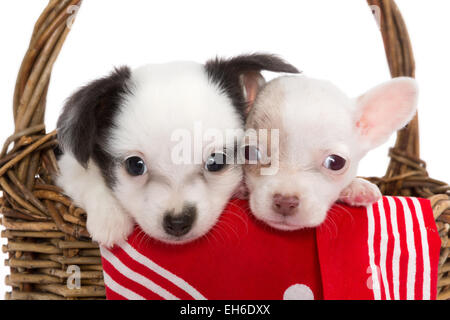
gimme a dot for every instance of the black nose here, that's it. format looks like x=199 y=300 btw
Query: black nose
x=179 y=224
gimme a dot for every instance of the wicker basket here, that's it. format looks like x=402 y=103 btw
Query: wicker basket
x=46 y=233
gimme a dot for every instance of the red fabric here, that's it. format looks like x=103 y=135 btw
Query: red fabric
x=387 y=251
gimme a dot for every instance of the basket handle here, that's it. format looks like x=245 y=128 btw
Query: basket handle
x=405 y=155
x=33 y=79
x=401 y=62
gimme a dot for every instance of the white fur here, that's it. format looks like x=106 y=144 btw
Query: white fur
x=165 y=98
x=107 y=222
x=315 y=120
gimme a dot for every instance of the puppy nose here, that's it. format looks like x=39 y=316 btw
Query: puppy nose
x=179 y=224
x=285 y=205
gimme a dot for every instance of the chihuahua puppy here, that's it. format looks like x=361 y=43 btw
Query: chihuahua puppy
x=322 y=136
x=120 y=160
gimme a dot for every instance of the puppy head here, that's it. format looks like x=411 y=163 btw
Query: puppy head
x=322 y=135
x=164 y=136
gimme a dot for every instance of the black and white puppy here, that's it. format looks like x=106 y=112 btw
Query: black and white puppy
x=119 y=141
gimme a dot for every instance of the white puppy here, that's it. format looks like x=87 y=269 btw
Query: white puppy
x=118 y=135
x=323 y=134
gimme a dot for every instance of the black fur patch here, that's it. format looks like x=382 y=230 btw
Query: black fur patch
x=226 y=73
x=87 y=117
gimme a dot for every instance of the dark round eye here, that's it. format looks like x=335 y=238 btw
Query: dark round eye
x=252 y=154
x=334 y=162
x=135 y=166
x=216 y=162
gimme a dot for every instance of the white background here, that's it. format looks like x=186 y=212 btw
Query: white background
x=335 y=40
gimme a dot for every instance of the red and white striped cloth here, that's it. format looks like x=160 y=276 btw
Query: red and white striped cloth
x=389 y=250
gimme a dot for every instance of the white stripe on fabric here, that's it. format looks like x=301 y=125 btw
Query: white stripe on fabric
x=370 y=241
x=383 y=248
x=397 y=251
x=425 y=251
x=182 y=284
x=117 y=288
x=136 y=277
x=411 y=276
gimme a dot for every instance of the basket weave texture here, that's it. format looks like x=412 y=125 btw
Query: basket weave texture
x=47 y=233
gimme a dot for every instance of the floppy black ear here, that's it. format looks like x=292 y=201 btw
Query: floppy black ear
x=240 y=76
x=90 y=112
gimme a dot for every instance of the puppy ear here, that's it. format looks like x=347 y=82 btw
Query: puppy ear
x=251 y=84
x=385 y=109
x=240 y=77
x=89 y=112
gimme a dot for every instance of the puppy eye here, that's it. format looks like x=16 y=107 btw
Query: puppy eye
x=135 y=166
x=216 y=162
x=252 y=154
x=334 y=162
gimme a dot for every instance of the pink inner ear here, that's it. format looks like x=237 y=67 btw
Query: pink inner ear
x=363 y=126
x=385 y=109
x=252 y=82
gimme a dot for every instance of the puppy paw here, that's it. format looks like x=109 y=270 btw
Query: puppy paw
x=109 y=225
x=360 y=193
